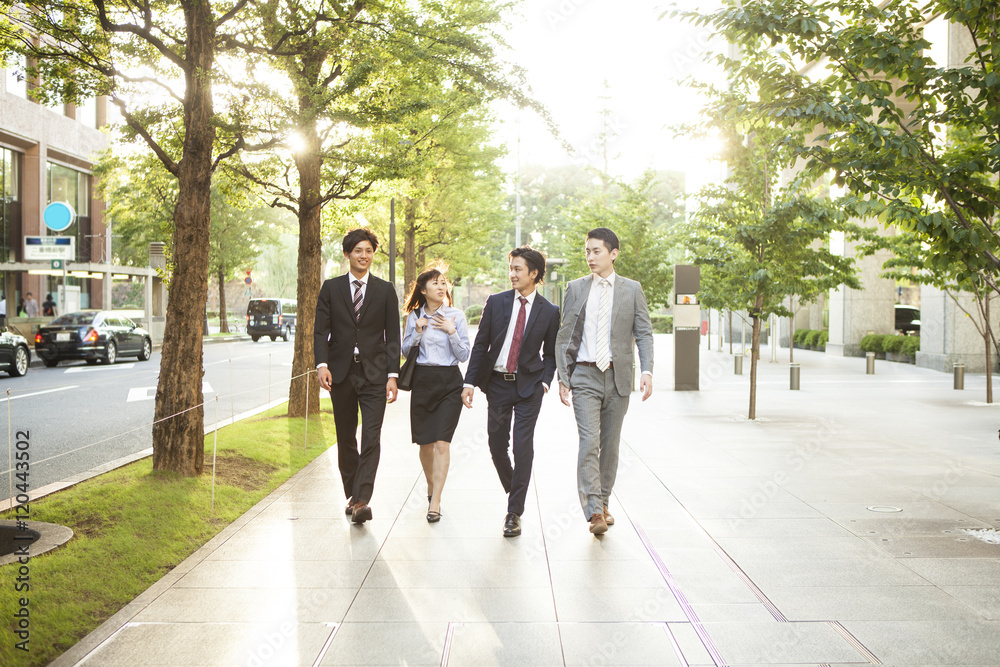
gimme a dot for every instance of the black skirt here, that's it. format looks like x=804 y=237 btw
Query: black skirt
x=435 y=403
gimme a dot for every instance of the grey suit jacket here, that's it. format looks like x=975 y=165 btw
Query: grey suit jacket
x=630 y=326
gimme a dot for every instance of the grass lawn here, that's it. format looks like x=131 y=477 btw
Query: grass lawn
x=133 y=525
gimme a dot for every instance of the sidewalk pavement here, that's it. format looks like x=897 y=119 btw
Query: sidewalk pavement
x=830 y=531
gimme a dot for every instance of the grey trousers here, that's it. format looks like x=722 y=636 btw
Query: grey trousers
x=600 y=411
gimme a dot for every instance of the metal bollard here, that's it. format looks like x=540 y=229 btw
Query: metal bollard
x=870 y=363
x=738 y=364
x=959 y=376
x=793 y=376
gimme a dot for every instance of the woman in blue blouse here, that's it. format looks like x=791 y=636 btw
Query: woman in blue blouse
x=436 y=398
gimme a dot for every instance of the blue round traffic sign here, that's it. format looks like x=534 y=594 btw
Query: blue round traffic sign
x=58 y=216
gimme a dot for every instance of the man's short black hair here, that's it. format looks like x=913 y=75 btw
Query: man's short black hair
x=604 y=234
x=534 y=259
x=356 y=236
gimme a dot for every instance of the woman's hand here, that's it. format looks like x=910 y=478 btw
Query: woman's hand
x=446 y=325
x=421 y=324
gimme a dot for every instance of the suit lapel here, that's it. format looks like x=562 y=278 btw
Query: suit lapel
x=618 y=296
x=347 y=290
x=507 y=306
x=536 y=308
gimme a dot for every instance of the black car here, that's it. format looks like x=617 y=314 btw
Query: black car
x=271 y=318
x=92 y=335
x=907 y=319
x=14 y=353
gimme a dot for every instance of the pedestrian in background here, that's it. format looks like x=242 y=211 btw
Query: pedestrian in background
x=48 y=307
x=30 y=306
x=441 y=332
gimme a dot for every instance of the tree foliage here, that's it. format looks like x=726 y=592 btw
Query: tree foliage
x=762 y=235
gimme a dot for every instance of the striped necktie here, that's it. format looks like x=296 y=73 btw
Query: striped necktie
x=357 y=300
x=603 y=341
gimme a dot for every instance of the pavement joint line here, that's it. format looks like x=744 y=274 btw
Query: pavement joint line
x=449 y=637
x=676 y=645
x=326 y=645
x=689 y=613
x=855 y=642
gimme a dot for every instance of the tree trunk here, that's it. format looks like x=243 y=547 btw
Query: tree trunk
x=223 y=316
x=409 y=242
x=791 y=339
x=989 y=356
x=179 y=427
x=309 y=163
x=754 y=357
x=730 y=331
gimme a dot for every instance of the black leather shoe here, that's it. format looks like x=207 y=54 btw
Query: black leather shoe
x=511 y=525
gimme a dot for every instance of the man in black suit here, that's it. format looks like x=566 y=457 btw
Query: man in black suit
x=507 y=365
x=357 y=347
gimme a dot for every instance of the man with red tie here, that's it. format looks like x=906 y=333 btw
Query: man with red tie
x=513 y=362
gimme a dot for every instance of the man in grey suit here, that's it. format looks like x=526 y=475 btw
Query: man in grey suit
x=604 y=316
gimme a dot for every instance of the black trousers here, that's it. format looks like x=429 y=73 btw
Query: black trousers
x=357 y=468
x=504 y=404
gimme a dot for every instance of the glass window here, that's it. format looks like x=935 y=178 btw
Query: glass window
x=73 y=319
x=86 y=112
x=16 y=77
x=263 y=307
x=70 y=186
x=9 y=175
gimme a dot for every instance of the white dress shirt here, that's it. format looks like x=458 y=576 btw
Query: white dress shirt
x=501 y=364
x=590 y=347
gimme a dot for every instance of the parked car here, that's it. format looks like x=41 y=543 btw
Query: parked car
x=271 y=318
x=907 y=319
x=92 y=335
x=14 y=353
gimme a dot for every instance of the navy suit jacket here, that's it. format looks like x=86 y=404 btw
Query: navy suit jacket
x=536 y=363
x=376 y=333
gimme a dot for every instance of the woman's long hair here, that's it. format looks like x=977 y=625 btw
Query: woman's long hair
x=416 y=299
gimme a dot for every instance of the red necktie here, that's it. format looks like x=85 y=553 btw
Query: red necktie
x=515 y=343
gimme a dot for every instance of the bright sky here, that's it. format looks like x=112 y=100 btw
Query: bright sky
x=571 y=47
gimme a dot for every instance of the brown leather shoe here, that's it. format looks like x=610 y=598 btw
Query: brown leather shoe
x=598 y=526
x=361 y=513
x=608 y=519
x=350 y=507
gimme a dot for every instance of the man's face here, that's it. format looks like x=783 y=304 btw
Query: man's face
x=520 y=278
x=599 y=259
x=361 y=257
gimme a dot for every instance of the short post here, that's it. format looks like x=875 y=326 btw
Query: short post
x=959 y=376
x=870 y=363
x=738 y=364
x=793 y=377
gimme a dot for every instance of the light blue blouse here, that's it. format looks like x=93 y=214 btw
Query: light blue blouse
x=436 y=347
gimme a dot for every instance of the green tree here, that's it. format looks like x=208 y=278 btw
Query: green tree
x=642 y=215
x=358 y=74
x=127 y=51
x=760 y=241
x=917 y=141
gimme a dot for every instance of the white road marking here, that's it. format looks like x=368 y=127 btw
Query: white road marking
x=149 y=393
x=39 y=393
x=89 y=369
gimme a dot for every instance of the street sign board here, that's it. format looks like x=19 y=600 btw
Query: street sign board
x=47 y=248
x=58 y=216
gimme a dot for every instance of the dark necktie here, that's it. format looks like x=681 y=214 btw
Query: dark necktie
x=515 y=343
x=357 y=300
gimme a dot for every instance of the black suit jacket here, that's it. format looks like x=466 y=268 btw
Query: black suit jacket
x=376 y=334
x=536 y=362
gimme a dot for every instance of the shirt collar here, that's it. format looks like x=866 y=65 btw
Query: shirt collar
x=363 y=279
x=611 y=278
x=530 y=297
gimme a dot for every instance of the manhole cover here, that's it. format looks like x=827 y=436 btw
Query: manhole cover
x=13 y=538
x=884 y=508
x=43 y=537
